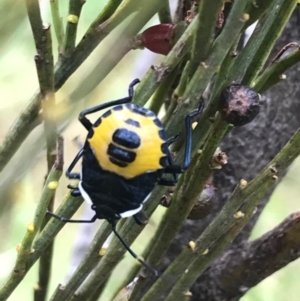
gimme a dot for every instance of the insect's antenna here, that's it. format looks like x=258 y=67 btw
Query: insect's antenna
x=145 y=264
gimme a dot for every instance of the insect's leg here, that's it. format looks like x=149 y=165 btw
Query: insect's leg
x=66 y=220
x=173 y=139
x=189 y=132
x=173 y=168
x=75 y=191
x=74 y=175
x=145 y=264
x=169 y=182
x=86 y=122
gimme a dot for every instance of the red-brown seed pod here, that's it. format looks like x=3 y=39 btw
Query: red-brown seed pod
x=158 y=38
x=239 y=104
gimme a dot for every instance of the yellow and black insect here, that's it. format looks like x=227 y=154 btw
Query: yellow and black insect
x=126 y=153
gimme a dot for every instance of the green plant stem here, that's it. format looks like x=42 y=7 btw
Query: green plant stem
x=75 y=7
x=273 y=74
x=32 y=228
x=184 y=197
x=204 y=261
x=24 y=123
x=45 y=265
x=67 y=209
x=222 y=223
x=206 y=24
x=178 y=92
x=226 y=65
x=183 y=81
x=205 y=32
x=132 y=273
x=268 y=36
x=57 y=23
x=251 y=195
x=50 y=130
x=248 y=59
x=25 y=252
x=164 y=14
x=155 y=76
x=36 y=23
x=256 y=9
x=190 y=185
x=205 y=71
x=45 y=262
x=48 y=106
x=239 y=64
x=91 y=258
x=121 y=47
x=163 y=90
x=112 y=15
x=244 y=59
x=134 y=270
x=129 y=231
x=115 y=253
x=45 y=71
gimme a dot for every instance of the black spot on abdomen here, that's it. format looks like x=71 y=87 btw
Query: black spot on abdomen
x=119 y=151
x=126 y=138
x=133 y=122
x=120 y=156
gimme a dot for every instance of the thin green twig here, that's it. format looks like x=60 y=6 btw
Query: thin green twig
x=121 y=47
x=23 y=125
x=238 y=66
x=129 y=231
x=114 y=254
x=25 y=250
x=162 y=91
x=178 y=92
x=267 y=38
x=90 y=260
x=75 y=7
x=190 y=185
x=45 y=71
x=248 y=58
x=250 y=195
x=184 y=197
x=154 y=76
x=57 y=23
x=275 y=72
x=67 y=209
x=203 y=262
x=164 y=14
x=205 y=71
x=112 y=15
x=212 y=233
x=204 y=34
x=256 y=9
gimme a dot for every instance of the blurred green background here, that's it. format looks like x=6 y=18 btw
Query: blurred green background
x=21 y=181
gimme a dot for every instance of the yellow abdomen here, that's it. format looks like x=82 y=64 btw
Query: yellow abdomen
x=129 y=140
